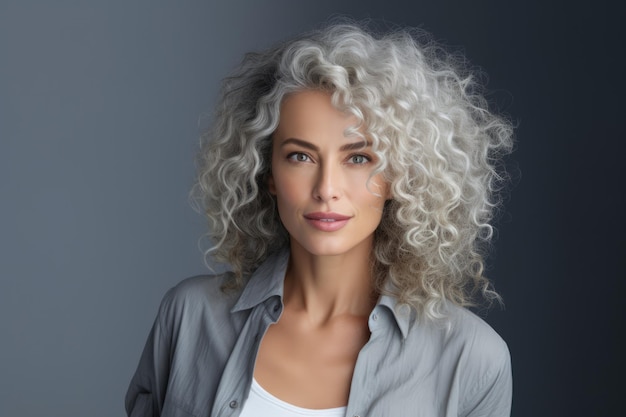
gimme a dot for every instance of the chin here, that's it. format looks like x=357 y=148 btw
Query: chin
x=330 y=247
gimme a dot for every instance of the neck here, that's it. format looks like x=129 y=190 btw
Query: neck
x=325 y=287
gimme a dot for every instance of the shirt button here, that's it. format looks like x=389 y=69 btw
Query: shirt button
x=374 y=317
x=233 y=404
x=276 y=308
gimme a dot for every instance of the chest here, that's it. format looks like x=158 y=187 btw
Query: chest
x=388 y=376
x=308 y=365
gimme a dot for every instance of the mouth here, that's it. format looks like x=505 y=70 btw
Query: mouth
x=327 y=222
x=326 y=217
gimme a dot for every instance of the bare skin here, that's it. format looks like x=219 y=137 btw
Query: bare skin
x=308 y=357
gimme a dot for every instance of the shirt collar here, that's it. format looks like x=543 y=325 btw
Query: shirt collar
x=402 y=312
x=267 y=281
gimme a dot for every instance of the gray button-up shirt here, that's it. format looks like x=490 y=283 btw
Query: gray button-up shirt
x=199 y=357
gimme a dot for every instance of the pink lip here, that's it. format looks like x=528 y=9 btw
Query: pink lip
x=327 y=222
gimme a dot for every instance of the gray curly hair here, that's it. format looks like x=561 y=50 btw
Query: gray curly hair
x=439 y=146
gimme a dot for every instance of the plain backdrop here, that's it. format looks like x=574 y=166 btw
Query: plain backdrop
x=101 y=107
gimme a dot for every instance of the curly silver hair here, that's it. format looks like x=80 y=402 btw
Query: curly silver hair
x=439 y=146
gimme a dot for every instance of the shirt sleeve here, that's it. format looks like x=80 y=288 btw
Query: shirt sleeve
x=491 y=396
x=146 y=392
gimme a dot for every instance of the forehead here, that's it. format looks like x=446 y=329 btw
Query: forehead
x=311 y=112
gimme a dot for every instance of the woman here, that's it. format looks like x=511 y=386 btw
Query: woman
x=349 y=181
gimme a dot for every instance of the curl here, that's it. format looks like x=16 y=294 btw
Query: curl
x=439 y=146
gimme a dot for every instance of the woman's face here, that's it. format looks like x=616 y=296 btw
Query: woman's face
x=321 y=178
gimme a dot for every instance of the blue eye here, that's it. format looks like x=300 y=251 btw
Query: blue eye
x=359 y=159
x=298 y=157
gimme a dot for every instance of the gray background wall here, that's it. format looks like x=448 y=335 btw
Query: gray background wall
x=99 y=119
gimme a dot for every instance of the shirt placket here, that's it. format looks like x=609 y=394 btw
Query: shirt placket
x=361 y=389
x=237 y=376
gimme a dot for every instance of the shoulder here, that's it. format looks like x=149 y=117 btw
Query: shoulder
x=484 y=361
x=465 y=348
x=198 y=296
x=472 y=344
x=457 y=363
x=199 y=286
x=460 y=330
x=475 y=334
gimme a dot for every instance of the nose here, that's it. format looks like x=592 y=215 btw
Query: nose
x=328 y=183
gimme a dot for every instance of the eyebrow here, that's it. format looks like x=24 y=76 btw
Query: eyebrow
x=347 y=147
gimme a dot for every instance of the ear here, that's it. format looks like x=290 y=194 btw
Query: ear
x=271 y=185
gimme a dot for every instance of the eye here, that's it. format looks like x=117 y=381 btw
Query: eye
x=359 y=159
x=298 y=157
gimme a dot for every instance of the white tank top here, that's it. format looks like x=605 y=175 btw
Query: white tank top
x=261 y=403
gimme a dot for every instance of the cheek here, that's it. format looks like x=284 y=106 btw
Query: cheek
x=376 y=190
x=271 y=185
x=288 y=191
x=289 y=203
x=381 y=187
